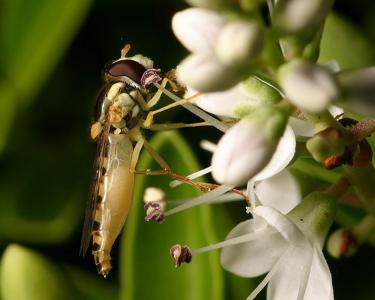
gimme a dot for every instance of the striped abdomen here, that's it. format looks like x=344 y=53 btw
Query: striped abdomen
x=114 y=200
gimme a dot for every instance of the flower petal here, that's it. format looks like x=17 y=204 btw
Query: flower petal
x=256 y=257
x=241 y=152
x=281 y=192
x=197 y=28
x=289 y=280
x=301 y=127
x=319 y=284
x=205 y=73
x=281 y=158
x=281 y=223
x=223 y=103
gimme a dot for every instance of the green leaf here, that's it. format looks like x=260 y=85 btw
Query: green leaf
x=33 y=37
x=342 y=42
x=147 y=270
x=27 y=275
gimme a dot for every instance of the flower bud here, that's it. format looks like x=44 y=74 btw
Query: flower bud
x=293 y=16
x=308 y=86
x=247 y=147
x=342 y=243
x=206 y=73
x=326 y=143
x=197 y=28
x=346 y=241
x=359 y=90
x=238 y=43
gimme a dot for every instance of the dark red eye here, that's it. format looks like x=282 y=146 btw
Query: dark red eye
x=129 y=68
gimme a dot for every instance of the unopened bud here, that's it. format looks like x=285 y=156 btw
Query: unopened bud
x=294 y=16
x=239 y=43
x=247 y=148
x=181 y=254
x=325 y=144
x=197 y=28
x=205 y=73
x=341 y=243
x=308 y=86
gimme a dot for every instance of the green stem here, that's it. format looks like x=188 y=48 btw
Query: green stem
x=362 y=180
x=363 y=229
x=339 y=188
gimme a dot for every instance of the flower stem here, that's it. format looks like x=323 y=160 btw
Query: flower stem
x=362 y=129
x=339 y=187
x=362 y=180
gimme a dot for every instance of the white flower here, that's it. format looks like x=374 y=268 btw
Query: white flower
x=288 y=247
x=310 y=87
x=280 y=191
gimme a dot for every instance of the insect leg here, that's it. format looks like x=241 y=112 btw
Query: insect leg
x=136 y=151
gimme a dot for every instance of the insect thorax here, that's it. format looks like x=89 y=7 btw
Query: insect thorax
x=120 y=106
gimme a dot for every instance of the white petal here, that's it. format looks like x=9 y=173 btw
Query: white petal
x=332 y=65
x=239 y=42
x=205 y=73
x=281 y=158
x=288 y=282
x=319 y=284
x=310 y=87
x=255 y=257
x=281 y=223
x=281 y=192
x=197 y=28
x=240 y=154
x=223 y=103
x=301 y=127
x=335 y=110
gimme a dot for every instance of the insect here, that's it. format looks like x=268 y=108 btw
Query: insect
x=119 y=115
x=122 y=110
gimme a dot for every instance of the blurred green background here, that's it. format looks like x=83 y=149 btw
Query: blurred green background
x=51 y=56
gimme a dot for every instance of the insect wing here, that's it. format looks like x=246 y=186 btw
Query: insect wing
x=92 y=201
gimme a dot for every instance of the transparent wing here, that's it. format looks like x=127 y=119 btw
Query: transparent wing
x=101 y=150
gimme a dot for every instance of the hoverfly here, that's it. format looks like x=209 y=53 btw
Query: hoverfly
x=120 y=110
x=119 y=116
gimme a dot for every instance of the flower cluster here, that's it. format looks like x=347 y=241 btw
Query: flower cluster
x=260 y=75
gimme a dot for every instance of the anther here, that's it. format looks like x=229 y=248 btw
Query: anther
x=181 y=254
x=154 y=204
x=149 y=77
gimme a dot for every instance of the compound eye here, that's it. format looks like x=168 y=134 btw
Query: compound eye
x=129 y=68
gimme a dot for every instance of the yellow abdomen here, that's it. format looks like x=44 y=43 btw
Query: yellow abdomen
x=115 y=196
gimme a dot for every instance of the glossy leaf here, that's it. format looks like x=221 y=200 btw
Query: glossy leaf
x=27 y=275
x=147 y=270
x=342 y=42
